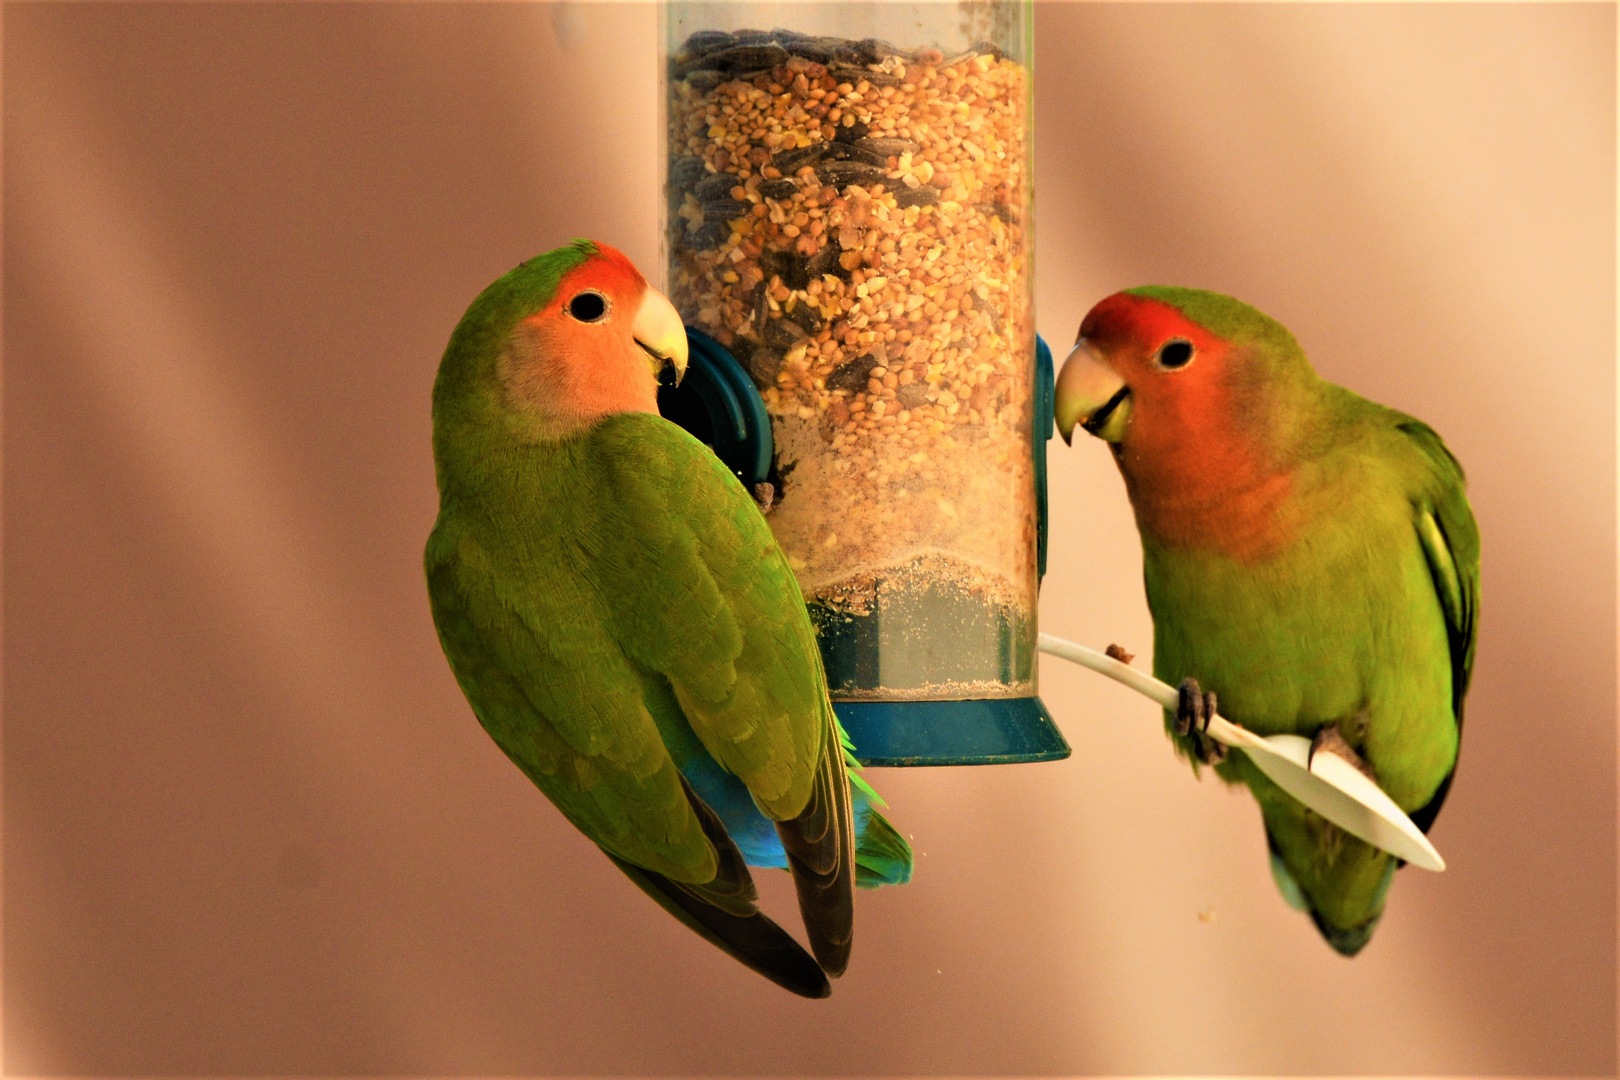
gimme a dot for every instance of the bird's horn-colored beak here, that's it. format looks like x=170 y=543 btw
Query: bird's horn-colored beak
x=1092 y=394
x=657 y=329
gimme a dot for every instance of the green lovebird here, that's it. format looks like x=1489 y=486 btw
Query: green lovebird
x=1309 y=556
x=625 y=627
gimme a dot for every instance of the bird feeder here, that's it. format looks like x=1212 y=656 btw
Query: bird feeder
x=848 y=239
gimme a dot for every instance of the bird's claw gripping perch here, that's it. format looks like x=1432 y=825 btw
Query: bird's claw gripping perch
x=1348 y=800
x=1329 y=740
x=1194 y=710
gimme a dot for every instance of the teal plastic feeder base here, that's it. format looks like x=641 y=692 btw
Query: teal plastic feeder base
x=996 y=731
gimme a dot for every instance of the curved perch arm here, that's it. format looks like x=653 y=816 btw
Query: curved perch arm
x=1325 y=783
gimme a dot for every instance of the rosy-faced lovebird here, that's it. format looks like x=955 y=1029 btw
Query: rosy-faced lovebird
x=624 y=626
x=1310 y=558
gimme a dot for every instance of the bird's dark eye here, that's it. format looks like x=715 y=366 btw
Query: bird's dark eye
x=588 y=306
x=1175 y=354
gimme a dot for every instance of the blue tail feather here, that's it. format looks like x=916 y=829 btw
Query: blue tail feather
x=882 y=856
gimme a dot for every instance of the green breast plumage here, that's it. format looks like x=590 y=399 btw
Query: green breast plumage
x=1344 y=625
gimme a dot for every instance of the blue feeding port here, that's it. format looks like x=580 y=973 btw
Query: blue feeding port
x=1045 y=426
x=717 y=402
x=906 y=637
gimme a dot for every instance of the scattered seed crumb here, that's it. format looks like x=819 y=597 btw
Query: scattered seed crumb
x=1207 y=916
x=1118 y=652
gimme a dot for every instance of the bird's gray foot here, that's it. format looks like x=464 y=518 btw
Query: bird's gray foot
x=1193 y=713
x=1329 y=740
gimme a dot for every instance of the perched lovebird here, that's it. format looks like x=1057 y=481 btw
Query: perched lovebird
x=624 y=626
x=1309 y=556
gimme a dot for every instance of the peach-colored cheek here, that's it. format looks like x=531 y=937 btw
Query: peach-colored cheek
x=616 y=378
x=575 y=372
x=528 y=365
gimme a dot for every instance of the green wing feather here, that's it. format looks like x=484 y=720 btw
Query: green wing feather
x=1450 y=540
x=583 y=580
x=557 y=695
x=703 y=595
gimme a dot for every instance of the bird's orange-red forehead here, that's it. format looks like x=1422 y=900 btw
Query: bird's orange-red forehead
x=1141 y=322
x=608 y=271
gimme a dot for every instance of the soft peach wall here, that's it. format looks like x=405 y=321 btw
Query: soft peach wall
x=250 y=824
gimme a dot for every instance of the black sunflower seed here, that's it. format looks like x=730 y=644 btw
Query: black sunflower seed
x=778 y=189
x=805 y=315
x=877 y=49
x=790 y=266
x=922 y=195
x=686 y=171
x=788 y=162
x=740 y=58
x=763 y=366
x=848 y=55
x=816 y=48
x=725 y=209
x=715 y=186
x=841 y=151
x=707 y=236
x=839 y=174
x=706 y=41
x=852 y=375
x=826 y=261
x=888 y=148
x=783 y=334
x=759 y=308
x=853 y=132
x=876 y=78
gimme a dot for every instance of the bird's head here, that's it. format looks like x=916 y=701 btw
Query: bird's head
x=1132 y=353
x=596 y=346
x=561 y=341
x=1158 y=361
x=1196 y=393
x=1161 y=351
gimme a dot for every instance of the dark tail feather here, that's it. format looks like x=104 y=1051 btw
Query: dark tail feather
x=1346 y=942
x=820 y=846
x=722 y=912
x=732 y=888
x=753 y=940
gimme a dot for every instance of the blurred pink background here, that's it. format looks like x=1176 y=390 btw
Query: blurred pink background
x=251 y=826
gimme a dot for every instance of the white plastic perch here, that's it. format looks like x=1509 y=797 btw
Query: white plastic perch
x=1326 y=783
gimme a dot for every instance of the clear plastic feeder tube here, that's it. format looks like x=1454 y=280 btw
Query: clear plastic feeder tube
x=849 y=212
